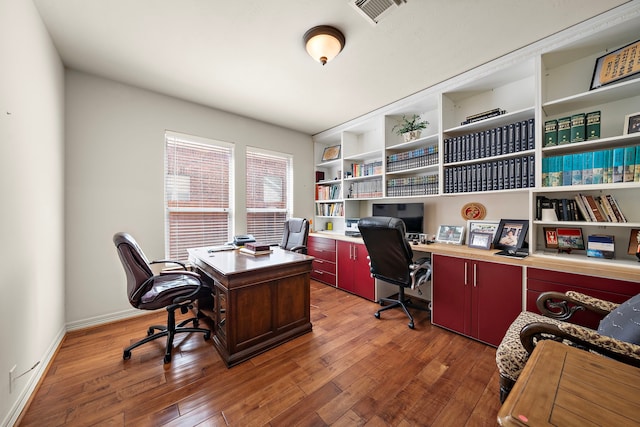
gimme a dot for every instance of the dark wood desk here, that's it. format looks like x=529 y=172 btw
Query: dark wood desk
x=564 y=386
x=259 y=301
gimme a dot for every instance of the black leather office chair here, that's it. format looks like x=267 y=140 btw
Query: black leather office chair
x=295 y=235
x=391 y=259
x=172 y=290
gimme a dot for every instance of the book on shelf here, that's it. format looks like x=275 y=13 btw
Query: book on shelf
x=629 y=164
x=598 y=167
x=564 y=130
x=593 y=207
x=607 y=209
x=584 y=212
x=616 y=208
x=593 y=125
x=636 y=174
x=578 y=127
x=550 y=133
x=617 y=172
x=587 y=167
x=577 y=166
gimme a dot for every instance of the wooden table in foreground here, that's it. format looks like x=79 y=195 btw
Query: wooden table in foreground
x=259 y=301
x=565 y=386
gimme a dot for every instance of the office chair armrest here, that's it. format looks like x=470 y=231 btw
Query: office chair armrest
x=169 y=261
x=420 y=272
x=300 y=249
x=184 y=273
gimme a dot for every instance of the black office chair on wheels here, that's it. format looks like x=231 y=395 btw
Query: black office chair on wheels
x=173 y=290
x=391 y=259
x=295 y=235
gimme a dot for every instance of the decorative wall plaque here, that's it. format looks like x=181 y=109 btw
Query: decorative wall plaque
x=473 y=210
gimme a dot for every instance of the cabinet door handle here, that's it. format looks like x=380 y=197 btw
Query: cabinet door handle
x=318 y=272
x=475 y=281
x=319 y=261
x=465 y=273
x=355 y=252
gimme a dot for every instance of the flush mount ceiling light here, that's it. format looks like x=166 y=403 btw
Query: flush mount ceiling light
x=323 y=43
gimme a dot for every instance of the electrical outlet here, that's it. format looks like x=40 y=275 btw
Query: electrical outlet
x=11 y=373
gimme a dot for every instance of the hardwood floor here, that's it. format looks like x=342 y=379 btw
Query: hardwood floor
x=351 y=370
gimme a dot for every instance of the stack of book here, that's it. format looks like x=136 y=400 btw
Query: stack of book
x=583 y=207
x=256 y=248
x=577 y=128
x=510 y=138
x=608 y=166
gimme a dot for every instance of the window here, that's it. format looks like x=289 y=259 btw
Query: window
x=197 y=193
x=269 y=198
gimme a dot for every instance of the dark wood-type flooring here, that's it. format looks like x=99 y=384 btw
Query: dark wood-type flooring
x=351 y=370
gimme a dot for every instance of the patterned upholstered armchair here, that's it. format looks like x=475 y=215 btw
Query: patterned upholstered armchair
x=617 y=337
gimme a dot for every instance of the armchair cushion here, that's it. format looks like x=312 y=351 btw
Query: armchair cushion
x=623 y=323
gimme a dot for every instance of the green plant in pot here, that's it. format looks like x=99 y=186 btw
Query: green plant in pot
x=410 y=127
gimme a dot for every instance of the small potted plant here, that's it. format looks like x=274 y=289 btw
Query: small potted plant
x=410 y=128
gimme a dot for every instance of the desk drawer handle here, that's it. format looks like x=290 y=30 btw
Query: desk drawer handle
x=318 y=272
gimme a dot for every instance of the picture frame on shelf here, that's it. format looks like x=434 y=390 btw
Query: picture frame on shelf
x=511 y=234
x=331 y=153
x=570 y=238
x=634 y=242
x=550 y=237
x=631 y=123
x=607 y=67
x=453 y=234
x=483 y=226
x=480 y=240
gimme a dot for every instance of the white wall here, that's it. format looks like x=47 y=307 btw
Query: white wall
x=114 y=180
x=32 y=318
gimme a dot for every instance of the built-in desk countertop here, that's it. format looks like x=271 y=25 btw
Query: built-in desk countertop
x=568 y=263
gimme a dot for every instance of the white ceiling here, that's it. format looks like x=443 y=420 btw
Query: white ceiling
x=247 y=56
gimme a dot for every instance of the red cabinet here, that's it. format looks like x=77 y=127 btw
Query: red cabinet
x=475 y=298
x=353 y=270
x=324 y=264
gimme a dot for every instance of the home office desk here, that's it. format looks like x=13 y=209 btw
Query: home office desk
x=564 y=386
x=259 y=301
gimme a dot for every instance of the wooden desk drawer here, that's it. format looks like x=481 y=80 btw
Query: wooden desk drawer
x=322 y=248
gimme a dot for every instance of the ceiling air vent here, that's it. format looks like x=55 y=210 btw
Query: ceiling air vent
x=375 y=10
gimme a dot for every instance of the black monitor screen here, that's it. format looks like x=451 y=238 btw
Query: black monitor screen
x=411 y=213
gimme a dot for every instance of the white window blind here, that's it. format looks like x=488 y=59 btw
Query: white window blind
x=269 y=194
x=197 y=193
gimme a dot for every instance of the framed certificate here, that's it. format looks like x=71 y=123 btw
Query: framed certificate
x=616 y=66
x=331 y=153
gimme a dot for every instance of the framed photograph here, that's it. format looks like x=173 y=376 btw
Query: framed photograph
x=631 y=123
x=450 y=234
x=550 y=237
x=570 y=238
x=482 y=226
x=616 y=66
x=480 y=240
x=511 y=234
x=634 y=241
x=331 y=153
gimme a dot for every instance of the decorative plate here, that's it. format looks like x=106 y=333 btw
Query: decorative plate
x=473 y=210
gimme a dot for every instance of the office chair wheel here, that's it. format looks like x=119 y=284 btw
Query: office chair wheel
x=377 y=315
x=411 y=326
x=126 y=355
x=149 y=332
x=207 y=336
x=167 y=358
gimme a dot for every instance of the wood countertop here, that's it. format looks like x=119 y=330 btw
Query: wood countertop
x=568 y=263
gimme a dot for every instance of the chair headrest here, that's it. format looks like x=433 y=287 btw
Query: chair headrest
x=296 y=225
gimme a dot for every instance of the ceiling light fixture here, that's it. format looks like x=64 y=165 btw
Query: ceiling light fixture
x=323 y=43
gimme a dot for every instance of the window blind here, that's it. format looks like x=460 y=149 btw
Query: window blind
x=197 y=193
x=269 y=195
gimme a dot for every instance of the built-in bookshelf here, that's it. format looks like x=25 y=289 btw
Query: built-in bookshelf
x=463 y=154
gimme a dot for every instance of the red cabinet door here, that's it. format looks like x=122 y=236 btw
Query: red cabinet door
x=363 y=282
x=450 y=306
x=353 y=270
x=496 y=299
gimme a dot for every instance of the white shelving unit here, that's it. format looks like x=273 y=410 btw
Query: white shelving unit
x=547 y=80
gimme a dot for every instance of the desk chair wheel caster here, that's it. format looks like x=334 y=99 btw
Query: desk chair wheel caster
x=126 y=355
x=411 y=326
x=149 y=332
x=377 y=315
x=167 y=358
x=207 y=336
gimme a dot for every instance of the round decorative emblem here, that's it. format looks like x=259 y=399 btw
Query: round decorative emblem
x=473 y=210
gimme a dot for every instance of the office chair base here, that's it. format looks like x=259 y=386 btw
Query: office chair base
x=169 y=332
x=401 y=302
